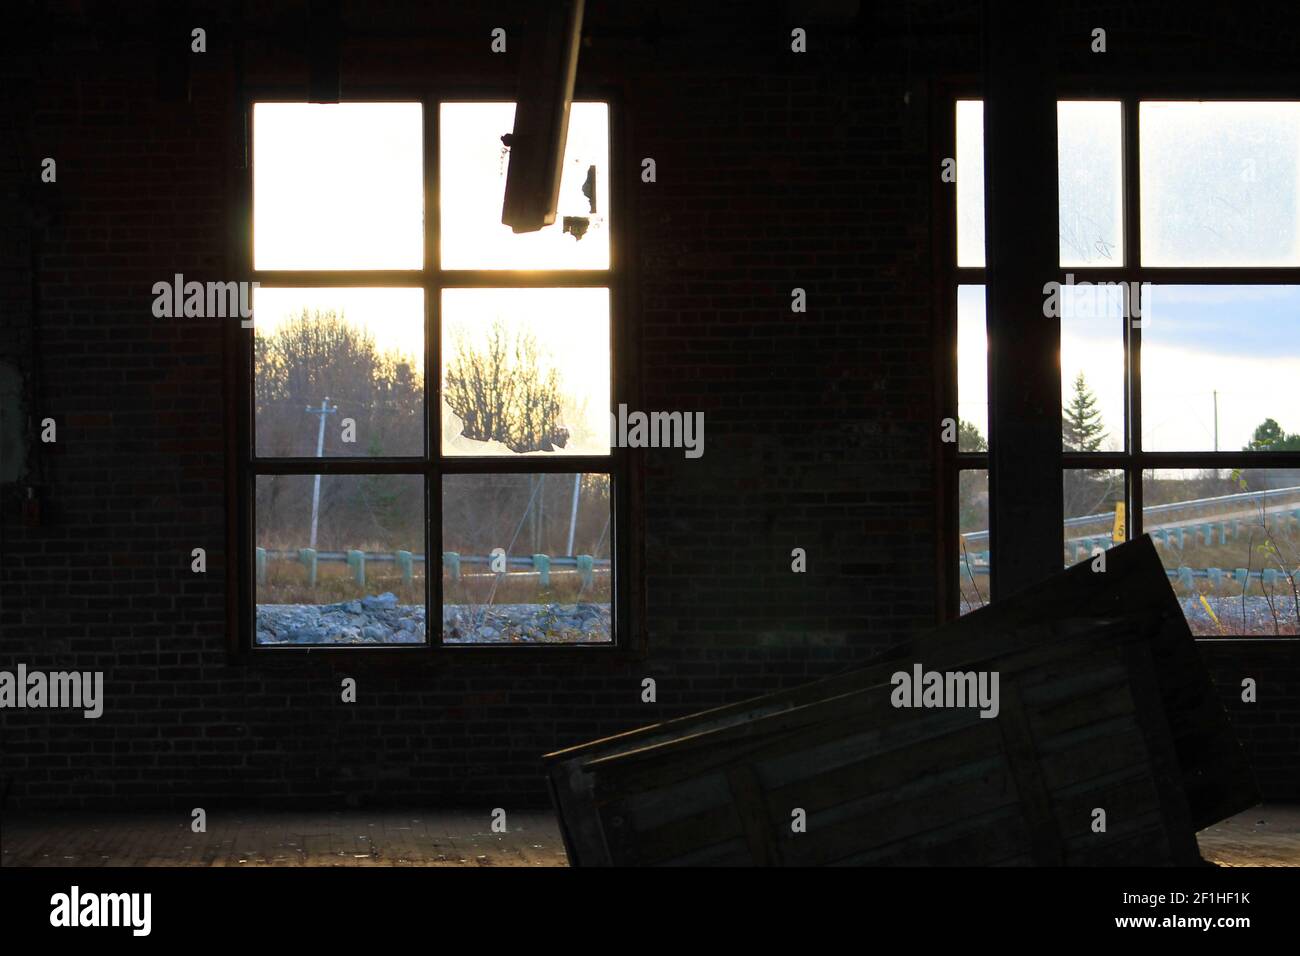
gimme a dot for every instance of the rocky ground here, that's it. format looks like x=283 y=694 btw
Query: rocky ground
x=381 y=620
x=1256 y=616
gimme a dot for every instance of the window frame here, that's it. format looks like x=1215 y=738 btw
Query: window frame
x=1133 y=461
x=625 y=470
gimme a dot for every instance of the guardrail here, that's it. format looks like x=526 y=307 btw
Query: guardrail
x=1194 y=527
x=452 y=561
x=1184 y=576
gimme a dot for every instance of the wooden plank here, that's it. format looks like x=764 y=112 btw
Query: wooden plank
x=996 y=837
x=1165 y=773
x=1022 y=755
x=826 y=843
x=751 y=807
x=884 y=771
x=717 y=824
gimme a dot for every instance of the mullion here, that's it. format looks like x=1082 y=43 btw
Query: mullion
x=433 y=596
x=524 y=279
x=340 y=278
x=527 y=465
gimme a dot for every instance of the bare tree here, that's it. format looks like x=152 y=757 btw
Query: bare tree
x=502 y=394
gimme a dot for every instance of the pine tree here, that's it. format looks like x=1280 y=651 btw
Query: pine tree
x=1081 y=424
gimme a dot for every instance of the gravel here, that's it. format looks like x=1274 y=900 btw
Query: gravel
x=381 y=620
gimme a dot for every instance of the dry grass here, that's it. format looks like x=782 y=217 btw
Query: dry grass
x=286 y=583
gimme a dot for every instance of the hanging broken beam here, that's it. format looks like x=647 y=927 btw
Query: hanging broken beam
x=546 y=78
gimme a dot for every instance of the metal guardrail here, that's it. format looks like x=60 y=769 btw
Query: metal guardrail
x=390 y=557
x=974 y=537
x=539 y=564
x=1217 y=576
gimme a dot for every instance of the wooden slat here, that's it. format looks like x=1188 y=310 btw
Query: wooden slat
x=751 y=807
x=1022 y=755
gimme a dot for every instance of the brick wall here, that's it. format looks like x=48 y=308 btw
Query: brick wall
x=1269 y=728
x=772 y=173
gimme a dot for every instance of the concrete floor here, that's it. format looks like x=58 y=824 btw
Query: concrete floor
x=353 y=838
x=1268 y=835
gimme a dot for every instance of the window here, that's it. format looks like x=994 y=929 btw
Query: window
x=1179 y=303
x=424 y=456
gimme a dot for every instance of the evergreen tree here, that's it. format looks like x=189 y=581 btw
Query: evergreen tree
x=1081 y=425
x=1269 y=436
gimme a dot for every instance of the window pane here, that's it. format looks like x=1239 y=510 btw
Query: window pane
x=1218 y=364
x=526 y=559
x=473 y=185
x=357 y=353
x=1090 y=176
x=1218 y=184
x=973 y=553
x=1230 y=546
x=525 y=371
x=338 y=186
x=1093 y=501
x=1092 y=367
x=339 y=559
x=972 y=370
x=970 y=183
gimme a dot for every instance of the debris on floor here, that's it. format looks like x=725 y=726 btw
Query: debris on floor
x=1071 y=724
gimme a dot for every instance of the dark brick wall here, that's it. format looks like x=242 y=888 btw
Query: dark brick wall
x=773 y=173
x=1269 y=728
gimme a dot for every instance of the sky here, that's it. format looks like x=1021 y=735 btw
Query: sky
x=1218 y=188
x=1218 y=183
x=1242 y=342
x=340 y=186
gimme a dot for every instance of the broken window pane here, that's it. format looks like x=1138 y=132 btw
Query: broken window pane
x=1230 y=544
x=526 y=559
x=973 y=551
x=356 y=353
x=338 y=186
x=1089 y=180
x=473 y=181
x=1219 y=184
x=339 y=559
x=525 y=371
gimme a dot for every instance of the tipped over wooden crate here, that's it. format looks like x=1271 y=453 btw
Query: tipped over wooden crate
x=1104 y=707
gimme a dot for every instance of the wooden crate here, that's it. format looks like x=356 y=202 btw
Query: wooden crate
x=1195 y=771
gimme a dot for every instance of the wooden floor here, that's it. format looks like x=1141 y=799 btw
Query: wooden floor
x=1268 y=835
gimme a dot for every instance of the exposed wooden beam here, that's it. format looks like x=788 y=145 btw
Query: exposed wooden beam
x=1025 y=499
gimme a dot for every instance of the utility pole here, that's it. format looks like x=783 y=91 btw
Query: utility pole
x=324 y=410
x=573 y=515
x=1216 y=419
